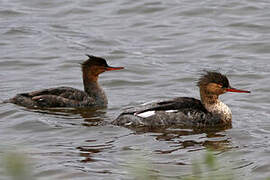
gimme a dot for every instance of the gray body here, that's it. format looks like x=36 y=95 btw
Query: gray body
x=182 y=111
x=61 y=97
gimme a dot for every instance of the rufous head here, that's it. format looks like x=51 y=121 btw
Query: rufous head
x=97 y=65
x=216 y=83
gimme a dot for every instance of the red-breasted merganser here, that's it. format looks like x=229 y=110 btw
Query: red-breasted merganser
x=185 y=111
x=92 y=96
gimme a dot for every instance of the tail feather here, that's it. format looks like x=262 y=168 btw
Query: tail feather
x=21 y=99
x=6 y=101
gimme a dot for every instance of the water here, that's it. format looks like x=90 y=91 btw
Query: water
x=163 y=46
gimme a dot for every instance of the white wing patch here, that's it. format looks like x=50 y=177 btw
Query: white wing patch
x=145 y=114
x=128 y=123
x=171 y=111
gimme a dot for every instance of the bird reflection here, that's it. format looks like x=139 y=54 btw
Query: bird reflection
x=88 y=152
x=90 y=116
x=194 y=140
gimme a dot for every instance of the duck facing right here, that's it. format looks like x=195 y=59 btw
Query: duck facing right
x=185 y=111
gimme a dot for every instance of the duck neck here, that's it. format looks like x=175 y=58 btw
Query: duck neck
x=92 y=88
x=213 y=105
x=208 y=98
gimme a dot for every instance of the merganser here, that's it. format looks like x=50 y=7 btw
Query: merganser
x=92 y=96
x=185 y=111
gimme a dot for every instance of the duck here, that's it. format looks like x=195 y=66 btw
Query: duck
x=187 y=112
x=92 y=95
